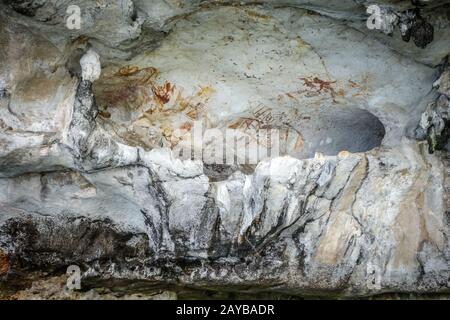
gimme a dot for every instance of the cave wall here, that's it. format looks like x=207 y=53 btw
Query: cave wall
x=355 y=205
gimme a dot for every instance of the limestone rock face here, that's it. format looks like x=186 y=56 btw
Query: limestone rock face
x=352 y=199
x=435 y=120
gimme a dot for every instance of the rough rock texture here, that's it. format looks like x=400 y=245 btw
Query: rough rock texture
x=355 y=205
x=435 y=121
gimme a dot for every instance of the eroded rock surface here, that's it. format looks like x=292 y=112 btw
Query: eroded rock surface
x=90 y=121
